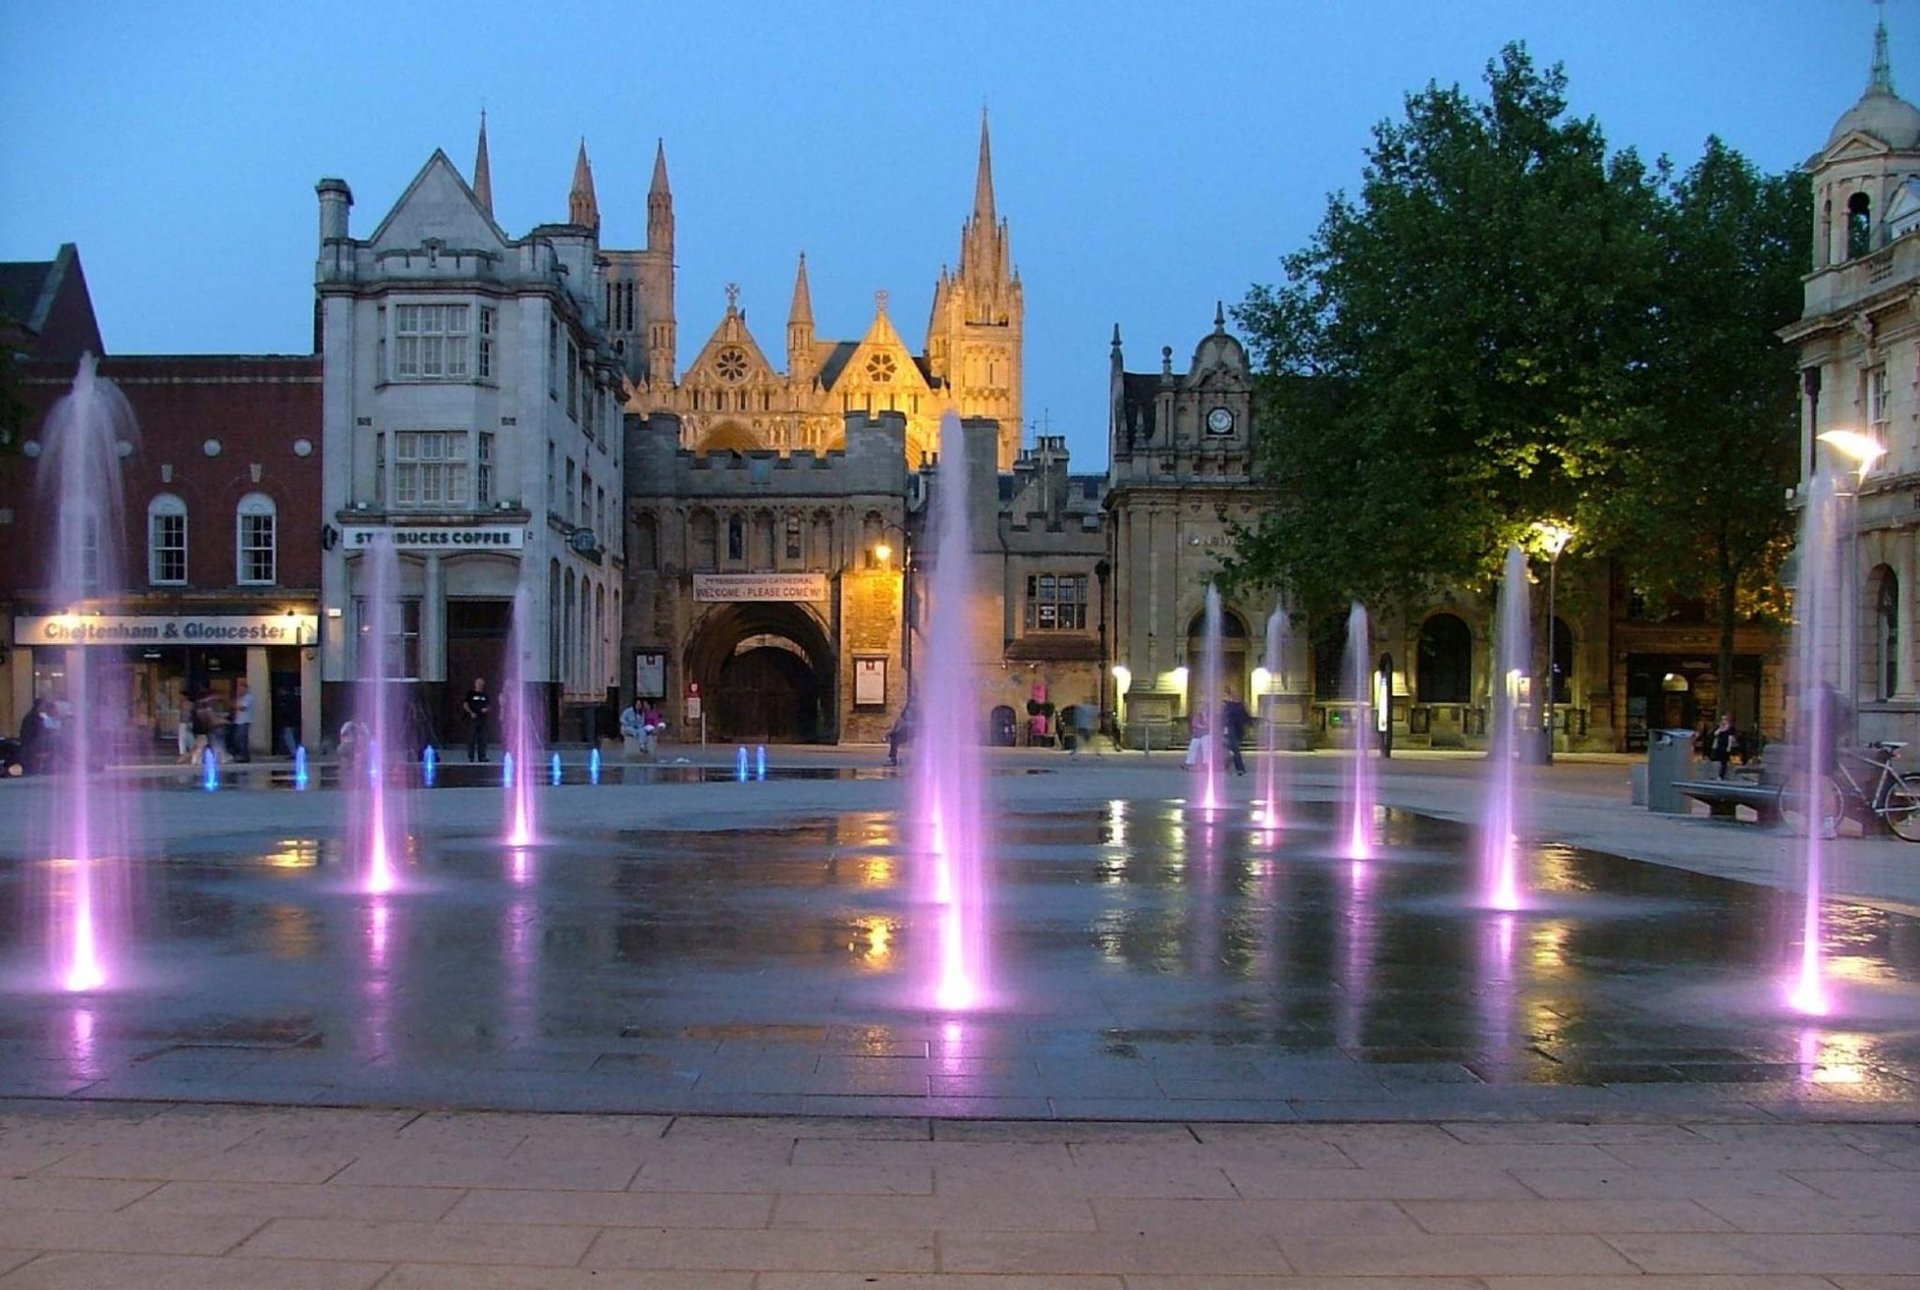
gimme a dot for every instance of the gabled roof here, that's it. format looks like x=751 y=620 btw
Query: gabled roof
x=732 y=331
x=48 y=301
x=1904 y=209
x=439 y=204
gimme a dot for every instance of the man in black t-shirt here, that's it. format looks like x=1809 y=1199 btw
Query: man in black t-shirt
x=476 y=708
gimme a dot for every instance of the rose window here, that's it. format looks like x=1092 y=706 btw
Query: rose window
x=880 y=367
x=731 y=364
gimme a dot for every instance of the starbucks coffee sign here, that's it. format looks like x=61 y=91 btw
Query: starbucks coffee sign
x=435 y=537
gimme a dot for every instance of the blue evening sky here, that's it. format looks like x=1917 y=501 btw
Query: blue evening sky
x=1151 y=158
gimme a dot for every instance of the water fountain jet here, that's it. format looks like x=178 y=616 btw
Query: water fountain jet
x=519 y=728
x=84 y=828
x=1501 y=842
x=1361 y=795
x=947 y=777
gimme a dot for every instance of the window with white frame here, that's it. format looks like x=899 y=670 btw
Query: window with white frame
x=1057 y=602
x=430 y=470
x=483 y=362
x=483 y=470
x=167 y=541
x=1878 y=414
x=397 y=657
x=254 y=540
x=430 y=342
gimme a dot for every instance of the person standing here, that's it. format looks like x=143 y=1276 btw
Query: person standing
x=240 y=723
x=1720 y=744
x=476 y=706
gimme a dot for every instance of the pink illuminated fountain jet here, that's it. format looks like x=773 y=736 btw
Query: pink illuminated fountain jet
x=84 y=833
x=1822 y=644
x=945 y=782
x=1501 y=842
x=518 y=730
x=1360 y=789
x=380 y=739
x=1210 y=703
x=1272 y=813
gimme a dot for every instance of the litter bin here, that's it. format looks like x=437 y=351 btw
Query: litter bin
x=1669 y=758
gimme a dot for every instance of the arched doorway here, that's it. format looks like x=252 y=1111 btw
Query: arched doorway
x=766 y=671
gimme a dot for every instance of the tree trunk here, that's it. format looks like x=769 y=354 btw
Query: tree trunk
x=1729 y=585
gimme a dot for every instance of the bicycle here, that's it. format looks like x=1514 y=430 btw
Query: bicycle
x=1893 y=799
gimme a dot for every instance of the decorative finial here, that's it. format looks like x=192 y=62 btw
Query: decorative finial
x=880 y=302
x=733 y=296
x=1219 y=318
x=1880 y=79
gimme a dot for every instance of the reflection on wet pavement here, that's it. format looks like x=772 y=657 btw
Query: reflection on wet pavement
x=1150 y=962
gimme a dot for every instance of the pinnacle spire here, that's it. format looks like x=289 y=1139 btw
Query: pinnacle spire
x=983 y=182
x=582 y=208
x=483 y=170
x=659 y=185
x=1880 y=79
x=801 y=311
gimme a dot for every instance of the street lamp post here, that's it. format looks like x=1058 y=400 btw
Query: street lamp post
x=1555 y=538
x=1860 y=451
x=883 y=556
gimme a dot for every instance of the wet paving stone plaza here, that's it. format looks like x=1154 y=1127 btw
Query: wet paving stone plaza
x=692 y=952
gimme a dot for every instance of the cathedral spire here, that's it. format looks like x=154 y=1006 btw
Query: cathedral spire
x=660 y=204
x=801 y=311
x=983 y=182
x=1880 y=79
x=483 y=170
x=582 y=208
x=800 y=361
x=659 y=187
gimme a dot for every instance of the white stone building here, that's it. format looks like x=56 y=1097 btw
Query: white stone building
x=471 y=418
x=1859 y=341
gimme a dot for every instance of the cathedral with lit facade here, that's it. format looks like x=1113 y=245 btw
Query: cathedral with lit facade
x=737 y=395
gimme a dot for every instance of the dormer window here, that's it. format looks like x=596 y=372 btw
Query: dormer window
x=1859 y=225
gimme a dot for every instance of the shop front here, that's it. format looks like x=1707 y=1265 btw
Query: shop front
x=148 y=670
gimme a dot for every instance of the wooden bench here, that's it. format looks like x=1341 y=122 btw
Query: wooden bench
x=1723 y=795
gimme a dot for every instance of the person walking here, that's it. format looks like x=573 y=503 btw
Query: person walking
x=900 y=733
x=240 y=723
x=1720 y=745
x=1234 y=719
x=476 y=706
x=202 y=723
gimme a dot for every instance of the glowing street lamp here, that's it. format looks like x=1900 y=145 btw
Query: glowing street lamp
x=1863 y=450
x=1554 y=536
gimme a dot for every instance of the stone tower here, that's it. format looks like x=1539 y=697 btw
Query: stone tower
x=640 y=286
x=979 y=313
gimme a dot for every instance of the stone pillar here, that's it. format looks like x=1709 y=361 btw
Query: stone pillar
x=1905 y=624
x=260 y=686
x=433 y=621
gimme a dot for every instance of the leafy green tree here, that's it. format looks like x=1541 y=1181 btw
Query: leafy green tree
x=1449 y=359
x=1699 y=511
